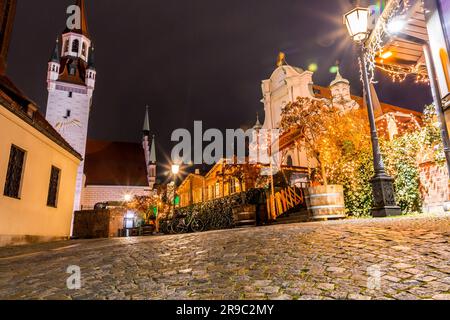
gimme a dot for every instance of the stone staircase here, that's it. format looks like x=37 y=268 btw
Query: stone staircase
x=244 y=216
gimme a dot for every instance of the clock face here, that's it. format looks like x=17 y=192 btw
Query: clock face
x=67 y=123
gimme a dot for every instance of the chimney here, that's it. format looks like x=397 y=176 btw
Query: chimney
x=7 y=13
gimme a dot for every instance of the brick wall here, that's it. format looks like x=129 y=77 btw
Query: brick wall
x=95 y=194
x=434 y=186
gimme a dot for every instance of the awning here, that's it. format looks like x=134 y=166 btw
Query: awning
x=396 y=56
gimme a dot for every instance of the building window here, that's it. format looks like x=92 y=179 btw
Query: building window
x=217 y=190
x=289 y=161
x=75 y=45
x=72 y=70
x=15 y=172
x=66 y=46
x=52 y=197
x=83 y=49
x=70 y=96
x=68 y=113
x=232 y=185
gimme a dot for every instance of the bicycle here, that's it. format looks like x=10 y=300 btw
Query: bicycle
x=189 y=223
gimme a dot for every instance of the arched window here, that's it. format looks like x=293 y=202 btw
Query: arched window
x=66 y=46
x=289 y=161
x=75 y=45
x=83 y=49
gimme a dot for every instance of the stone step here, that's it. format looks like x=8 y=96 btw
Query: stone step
x=297 y=217
x=246 y=216
x=245 y=223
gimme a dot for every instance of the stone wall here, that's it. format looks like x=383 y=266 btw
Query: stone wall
x=434 y=186
x=98 y=223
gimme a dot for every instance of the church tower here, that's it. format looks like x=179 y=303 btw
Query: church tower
x=71 y=79
x=149 y=151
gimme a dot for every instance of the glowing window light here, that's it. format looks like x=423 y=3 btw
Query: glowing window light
x=386 y=55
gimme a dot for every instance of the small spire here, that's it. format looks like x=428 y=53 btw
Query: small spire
x=91 y=59
x=55 y=55
x=339 y=78
x=258 y=124
x=153 y=151
x=146 y=128
x=281 y=60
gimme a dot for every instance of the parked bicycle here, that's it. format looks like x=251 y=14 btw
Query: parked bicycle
x=187 y=224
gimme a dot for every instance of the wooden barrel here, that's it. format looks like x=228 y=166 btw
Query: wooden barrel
x=326 y=202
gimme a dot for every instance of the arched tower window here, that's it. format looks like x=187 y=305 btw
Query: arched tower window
x=66 y=46
x=83 y=49
x=75 y=45
x=289 y=161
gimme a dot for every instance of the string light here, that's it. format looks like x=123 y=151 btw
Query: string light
x=401 y=73
x=375 y=46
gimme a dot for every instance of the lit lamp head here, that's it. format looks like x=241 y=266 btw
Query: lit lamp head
x=127 y=197
x=357 y=22
x=175 y=169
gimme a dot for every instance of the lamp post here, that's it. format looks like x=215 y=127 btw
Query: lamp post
x=357 y=22
x=175 y=171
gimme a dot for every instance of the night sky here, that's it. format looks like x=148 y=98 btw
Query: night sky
x=190 y=60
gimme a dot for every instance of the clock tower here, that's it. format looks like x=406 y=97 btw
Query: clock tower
x=71 y=80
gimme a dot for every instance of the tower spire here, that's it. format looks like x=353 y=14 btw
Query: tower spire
x=83 y=20
x=146 y=127
x=258 y=124
x=91 y=59
x=55 y=55
x=339 y=78
x=153 y=151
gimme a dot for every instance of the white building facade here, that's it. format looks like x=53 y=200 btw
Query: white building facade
x=71 y=82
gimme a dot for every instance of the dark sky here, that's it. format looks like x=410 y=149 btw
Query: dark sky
x=190 y=60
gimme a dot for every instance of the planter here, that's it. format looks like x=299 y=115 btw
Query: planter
x=326 y=202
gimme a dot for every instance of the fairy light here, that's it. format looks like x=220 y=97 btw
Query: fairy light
x=375 y=46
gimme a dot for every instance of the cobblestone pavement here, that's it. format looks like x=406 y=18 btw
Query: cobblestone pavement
x=398 y=258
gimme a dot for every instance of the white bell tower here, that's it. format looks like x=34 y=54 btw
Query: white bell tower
x=71 y=82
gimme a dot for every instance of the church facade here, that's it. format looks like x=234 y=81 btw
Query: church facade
x=287 y=83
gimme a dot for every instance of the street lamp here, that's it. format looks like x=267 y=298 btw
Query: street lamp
x=175 y=171
x=357 y=22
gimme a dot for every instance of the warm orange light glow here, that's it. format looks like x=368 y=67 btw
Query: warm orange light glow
x=386 y=55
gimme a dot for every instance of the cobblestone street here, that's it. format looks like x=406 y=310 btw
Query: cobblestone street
x=398 y=258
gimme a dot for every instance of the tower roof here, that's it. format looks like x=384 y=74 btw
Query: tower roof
x=339 y=79
x=83 y=20
x=55 y=55
x=153 y=151
x=258 y=124
x=146 y=127
x=91 y=59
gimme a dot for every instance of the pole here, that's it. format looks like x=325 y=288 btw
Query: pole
x=174 y=192
x=382 y=184
x=437 y=102
x=378 y=163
